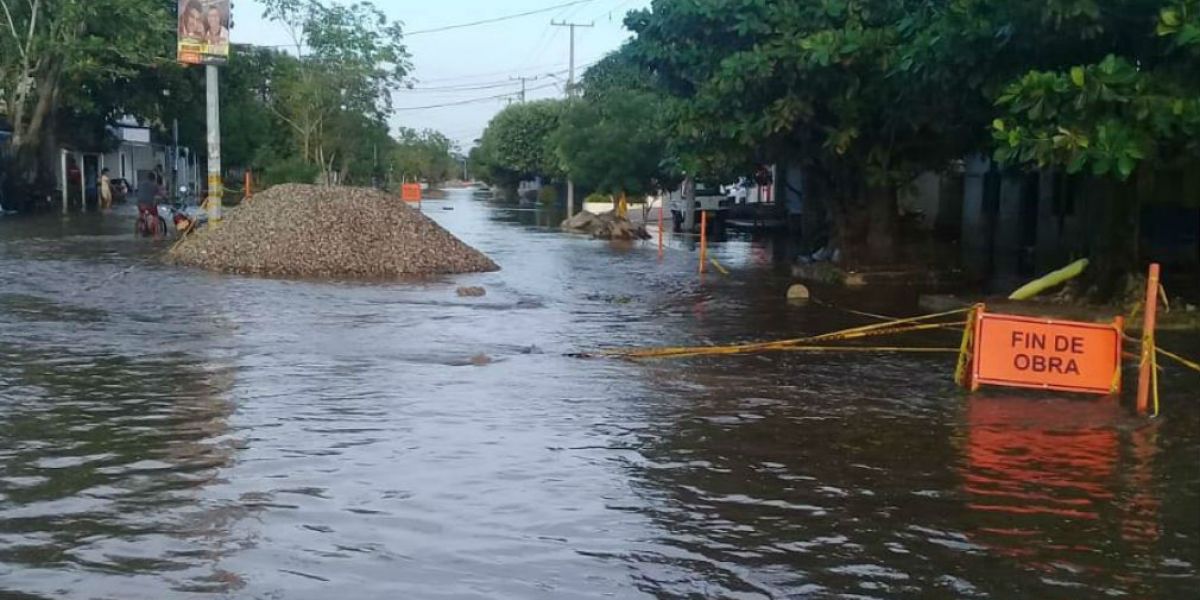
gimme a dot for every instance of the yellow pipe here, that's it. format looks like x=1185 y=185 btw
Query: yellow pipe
x=1050 y=280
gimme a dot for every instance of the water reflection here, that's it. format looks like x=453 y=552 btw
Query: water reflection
x=101 y=462
x=168 y=432
x=1060 y=486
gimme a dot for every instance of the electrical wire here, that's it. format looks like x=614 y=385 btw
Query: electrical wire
x=472 y=100
x=497 y=19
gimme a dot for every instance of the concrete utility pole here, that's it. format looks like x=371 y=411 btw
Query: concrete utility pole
x=174 y=157
x=523 y=81
x=216 y=185
x=571 y=93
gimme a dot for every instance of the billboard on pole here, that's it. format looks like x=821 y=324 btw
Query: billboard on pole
x=203 y=32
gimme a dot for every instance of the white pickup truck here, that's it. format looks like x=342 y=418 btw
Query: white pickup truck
x=709 y=199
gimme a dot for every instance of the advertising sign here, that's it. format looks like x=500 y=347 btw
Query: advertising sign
x=1038 y=353
x=203 y=32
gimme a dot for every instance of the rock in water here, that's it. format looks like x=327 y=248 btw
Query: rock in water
x=607 y=226
x=798 y=293
x=582 y=222
x=316 y=231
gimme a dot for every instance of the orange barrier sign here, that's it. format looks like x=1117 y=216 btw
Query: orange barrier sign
x=1028 y=352
x=410 y=192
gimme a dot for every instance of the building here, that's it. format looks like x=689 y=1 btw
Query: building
x=133 y=157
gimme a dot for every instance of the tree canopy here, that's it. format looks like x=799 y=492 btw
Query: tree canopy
x=75 y=61
x=425 y=155
x=517 y=143
x=866 y=94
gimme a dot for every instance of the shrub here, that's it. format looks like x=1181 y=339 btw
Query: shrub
x=292 y=170
x=548 y=195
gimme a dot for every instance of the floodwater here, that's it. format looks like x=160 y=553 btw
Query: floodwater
x=168 y=433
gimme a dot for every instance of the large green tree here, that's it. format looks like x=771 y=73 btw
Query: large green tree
x=70 y=57
x=517 y=143
x=615 y=139
x=350 y=58
x=1108 y=89
x=816 y=82
x=423 y=155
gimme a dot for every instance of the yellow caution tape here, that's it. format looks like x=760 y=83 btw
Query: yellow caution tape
x=966 y=349
x=895 y=327
x=1179 y=359
x=882 y=349
x=720 y=269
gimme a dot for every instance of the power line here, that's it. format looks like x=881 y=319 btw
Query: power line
x=489 y=74
x=472 y=100
x=612 y=10
x=498 y=19
x=508 y=72
x=463 y=88
x=483 y=85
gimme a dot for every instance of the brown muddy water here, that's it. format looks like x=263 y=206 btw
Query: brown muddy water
x=167 y=433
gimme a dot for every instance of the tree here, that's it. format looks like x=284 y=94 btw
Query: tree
x=350 y=58
x=56 y=54
x=613 y=144
x=615 y=140
x=1118 y=100
x=819 y=82
x=517 y=143
x=423 y=155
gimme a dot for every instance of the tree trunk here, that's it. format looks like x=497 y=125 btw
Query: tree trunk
x=865 y=226
x=1116 y=234
x=33 y=155
x=883 y=224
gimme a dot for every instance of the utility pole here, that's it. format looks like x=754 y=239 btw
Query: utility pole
x=174 y=157
x=523 y=81
x=215 y=183
x=571 y=94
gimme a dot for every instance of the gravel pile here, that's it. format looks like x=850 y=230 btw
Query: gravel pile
x=314 y=231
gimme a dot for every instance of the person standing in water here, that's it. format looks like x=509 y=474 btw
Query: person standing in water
x=106 y=191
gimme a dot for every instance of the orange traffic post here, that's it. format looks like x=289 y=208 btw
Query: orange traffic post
x=1147 y=377
x=703 y=240
x=660 y=230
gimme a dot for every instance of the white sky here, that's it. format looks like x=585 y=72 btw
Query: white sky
x=483 y=56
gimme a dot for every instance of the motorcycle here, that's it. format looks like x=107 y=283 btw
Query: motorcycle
x=184 y=214
x=181 y=215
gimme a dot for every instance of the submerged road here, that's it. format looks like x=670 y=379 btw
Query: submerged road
x=168 y=433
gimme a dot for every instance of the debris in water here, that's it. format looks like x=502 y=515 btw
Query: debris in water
x=317 y=231
x=471 y=292
x=607 y=226
x=798 y=293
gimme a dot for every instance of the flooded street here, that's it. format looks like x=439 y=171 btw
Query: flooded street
x=167 y=433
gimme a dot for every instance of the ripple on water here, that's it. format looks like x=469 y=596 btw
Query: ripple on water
x=172 y=433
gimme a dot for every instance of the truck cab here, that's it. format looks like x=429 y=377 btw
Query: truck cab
x=709 y=198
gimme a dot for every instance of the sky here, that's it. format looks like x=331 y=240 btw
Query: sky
x=448 y=64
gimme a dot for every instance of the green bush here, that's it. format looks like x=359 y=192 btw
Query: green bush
x=548 y=194
x=291 y=170
x=598 y=199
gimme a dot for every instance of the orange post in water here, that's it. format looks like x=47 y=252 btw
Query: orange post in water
x=703 y=240
x=1147 y=375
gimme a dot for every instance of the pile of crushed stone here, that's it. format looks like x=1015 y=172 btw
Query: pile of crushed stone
x=336 y=232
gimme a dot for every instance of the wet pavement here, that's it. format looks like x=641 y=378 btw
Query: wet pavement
x=167 y=433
